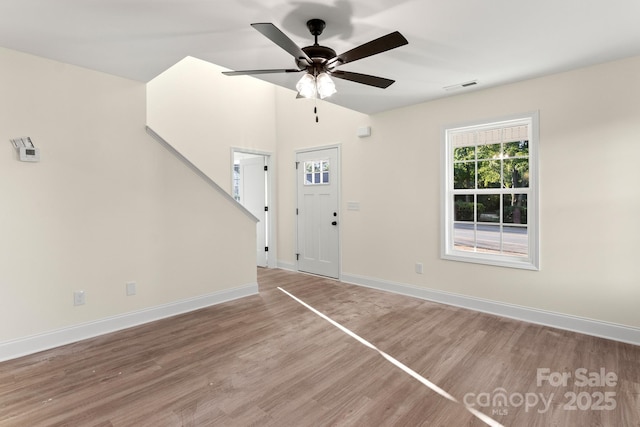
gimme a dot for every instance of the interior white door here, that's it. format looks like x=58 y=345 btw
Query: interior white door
x=252 y=192
x=317 y=212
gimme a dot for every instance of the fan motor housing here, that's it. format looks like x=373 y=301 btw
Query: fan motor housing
x=318 y=54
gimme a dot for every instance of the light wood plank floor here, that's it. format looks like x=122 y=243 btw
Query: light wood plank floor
x=267 y=360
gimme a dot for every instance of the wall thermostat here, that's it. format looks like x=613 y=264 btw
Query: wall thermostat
x=27 y=152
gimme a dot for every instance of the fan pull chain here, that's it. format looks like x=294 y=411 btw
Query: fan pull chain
x=315 y=110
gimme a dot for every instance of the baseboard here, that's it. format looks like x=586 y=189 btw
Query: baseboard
x=283 y=265
x=581 y=325
x=36 y=343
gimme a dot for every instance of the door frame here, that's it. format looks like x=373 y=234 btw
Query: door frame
x=338 y=148
x=270 y=231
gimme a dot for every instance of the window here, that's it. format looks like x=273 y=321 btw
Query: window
x=316 y=172
x=236 y=181
x=490 y=195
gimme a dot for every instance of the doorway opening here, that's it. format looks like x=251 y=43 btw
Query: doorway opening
x=251 y=188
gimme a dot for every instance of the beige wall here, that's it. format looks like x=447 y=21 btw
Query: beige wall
x=203 y=114
x=589 y=132
x=589 y=198
x=107 y=204
x=297 y=129
x=588 y=143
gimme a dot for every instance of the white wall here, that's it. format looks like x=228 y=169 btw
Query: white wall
x=589 y=197
x=107 y=204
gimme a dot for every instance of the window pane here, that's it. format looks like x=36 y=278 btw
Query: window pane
x=514 y=208
x=463 y=208
x=490 y=151
x=516 y=149
x=489 y=174
x=464 y=238
x=316 y=172
x=464 y=153
x=464 y=175
x=236 y=182
x=488 y=208
x=490 y=181
x=516 y=173
x=515 y=240
x=488 y=238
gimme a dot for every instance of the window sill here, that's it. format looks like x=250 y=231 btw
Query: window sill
x=493 y=260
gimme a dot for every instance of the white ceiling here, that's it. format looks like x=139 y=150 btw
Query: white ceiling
x=450 y=41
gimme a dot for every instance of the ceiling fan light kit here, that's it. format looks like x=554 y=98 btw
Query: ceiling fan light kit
x=320 y=63
x=306 y=86
x=321 y=86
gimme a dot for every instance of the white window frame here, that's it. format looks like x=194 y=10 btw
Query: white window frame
x=448 y=251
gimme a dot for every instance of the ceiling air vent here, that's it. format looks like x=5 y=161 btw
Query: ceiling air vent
x=460 y=86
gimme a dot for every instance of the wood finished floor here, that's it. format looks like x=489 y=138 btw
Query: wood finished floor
x=266 y=360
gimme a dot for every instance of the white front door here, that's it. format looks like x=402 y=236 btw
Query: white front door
x=318 y=219
x=252 y=194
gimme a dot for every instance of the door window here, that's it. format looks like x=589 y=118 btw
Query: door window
x=316 y=172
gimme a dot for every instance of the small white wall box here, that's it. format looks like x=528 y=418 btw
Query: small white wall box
x=27 y=152
x=363 y=131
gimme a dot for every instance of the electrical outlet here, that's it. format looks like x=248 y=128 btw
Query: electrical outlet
x=78 y=298
x=419 y=268
x=131 y=288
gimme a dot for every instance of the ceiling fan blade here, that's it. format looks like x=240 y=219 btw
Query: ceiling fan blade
x=248 y=72
x=379 y=45
x=274 y=34
x=365 y=79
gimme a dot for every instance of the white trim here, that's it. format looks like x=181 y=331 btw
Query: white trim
x=532 y=261
x=567 y=322
x=36 y=343
x=289 y=266
x=272 y=231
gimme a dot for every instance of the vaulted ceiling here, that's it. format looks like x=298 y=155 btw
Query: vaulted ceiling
x=451 y=42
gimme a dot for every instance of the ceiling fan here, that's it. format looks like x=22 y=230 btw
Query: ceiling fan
x=321 y=62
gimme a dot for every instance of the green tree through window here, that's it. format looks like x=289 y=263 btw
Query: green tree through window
x=489 y=193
